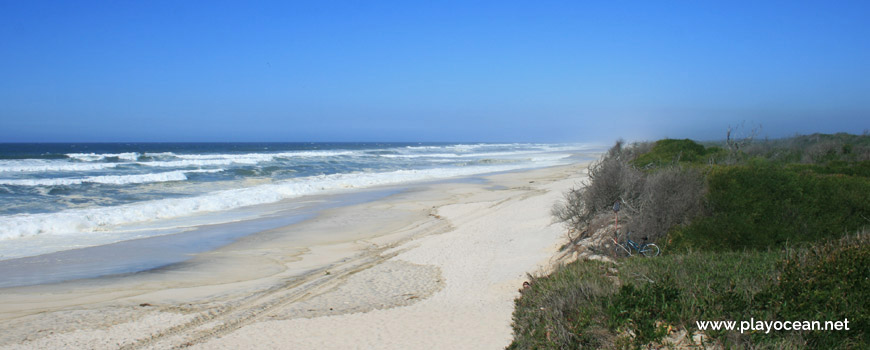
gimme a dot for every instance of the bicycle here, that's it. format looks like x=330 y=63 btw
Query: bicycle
x=647 y=249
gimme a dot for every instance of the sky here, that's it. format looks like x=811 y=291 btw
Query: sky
x=456 y=71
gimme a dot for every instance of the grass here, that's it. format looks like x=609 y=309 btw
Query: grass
x=564 y=309
x=633 y=304
x=590 y=304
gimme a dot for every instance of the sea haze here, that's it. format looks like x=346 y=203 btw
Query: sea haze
x=56 y=197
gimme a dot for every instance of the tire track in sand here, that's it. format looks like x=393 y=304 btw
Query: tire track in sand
x=214 y=323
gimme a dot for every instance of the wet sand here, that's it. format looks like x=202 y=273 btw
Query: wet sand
x=434 y=266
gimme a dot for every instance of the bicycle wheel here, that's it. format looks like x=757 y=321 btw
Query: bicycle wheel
x=650 y=250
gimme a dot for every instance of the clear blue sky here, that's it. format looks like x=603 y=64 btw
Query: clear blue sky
x=429 y=71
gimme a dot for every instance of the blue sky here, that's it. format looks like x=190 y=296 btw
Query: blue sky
x=429 y=71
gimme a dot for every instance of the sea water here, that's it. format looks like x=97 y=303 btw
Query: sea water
x=59 y=197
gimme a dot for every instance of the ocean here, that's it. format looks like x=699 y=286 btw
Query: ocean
x=59 y=197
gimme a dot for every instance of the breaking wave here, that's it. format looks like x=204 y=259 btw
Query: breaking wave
x=108 y=179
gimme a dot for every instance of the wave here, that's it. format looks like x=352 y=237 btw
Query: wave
x=172 y=160
x=467 y=146
x=77 y=221
x=46 y=155
x=40 y=165
x=179 y=175
x=197 y=163
x=455 y=155
x=489 y=149
x=91 y=161
x=268 y=156
x=90 y=157
x=100 y=161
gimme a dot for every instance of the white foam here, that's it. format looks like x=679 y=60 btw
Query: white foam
x=92 y=161
x=108 y=179
x=485 y=150
x=43 y=165
x=466 y=147
x=455 y=155
x=159 y=154
x=198 y=162
x=267 y=156
x=79 y=221
x=128 y=156
x=186 y=160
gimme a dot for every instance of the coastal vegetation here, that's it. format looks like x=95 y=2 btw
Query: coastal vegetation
x=772 y=230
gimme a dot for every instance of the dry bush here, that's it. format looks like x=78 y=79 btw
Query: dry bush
x=611 y=179
x=670 y=197
x=637 y=148
x=818 y=152
x=652 y=204
x=862 y=153
x=572 y=212
x=762 y=148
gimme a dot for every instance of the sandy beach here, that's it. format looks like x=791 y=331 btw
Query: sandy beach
x=434 y=266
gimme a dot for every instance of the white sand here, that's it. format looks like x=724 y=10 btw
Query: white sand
x=433 y=268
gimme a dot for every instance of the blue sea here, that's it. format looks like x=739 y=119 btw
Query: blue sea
x=57 y=197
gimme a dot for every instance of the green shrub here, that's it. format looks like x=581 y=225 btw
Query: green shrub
x=763 y=205
x=840 y=167
x=641 y=309
x=829 y=282
x=815 y=148
x=563 y=310
x=766 y=245
x=670 y=151
x=579 y=305
x=710 y=285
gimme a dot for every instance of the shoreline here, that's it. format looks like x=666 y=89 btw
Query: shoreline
x=141 y=255
x=381 y=260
